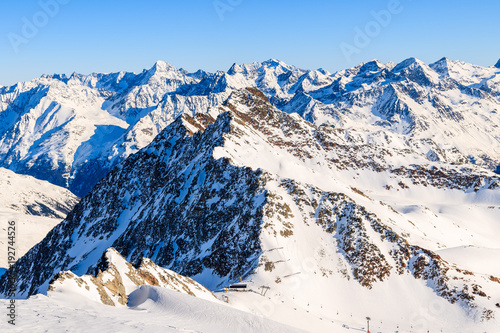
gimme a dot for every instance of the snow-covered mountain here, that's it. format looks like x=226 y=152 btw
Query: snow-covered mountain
x=36 y=207
x=57 y=128
x=72 y=130
x=31 y=196
x=448 y=108
x=320 y=215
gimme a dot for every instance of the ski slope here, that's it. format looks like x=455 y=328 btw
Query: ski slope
x=30 y=230
x=152 y=309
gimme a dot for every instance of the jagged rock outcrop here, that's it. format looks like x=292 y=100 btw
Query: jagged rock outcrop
x=114 y=279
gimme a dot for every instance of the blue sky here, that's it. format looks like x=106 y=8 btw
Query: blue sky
x=113 y=35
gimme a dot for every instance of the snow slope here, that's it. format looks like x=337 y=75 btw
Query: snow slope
x=161 y=310
x=476 y=259
x=31 y=196
x=36 y=207
x=30 y=229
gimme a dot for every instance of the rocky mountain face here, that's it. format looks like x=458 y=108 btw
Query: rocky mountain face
x=164 y=198
x=73 y=130
x=246 y=190
x=114 y=279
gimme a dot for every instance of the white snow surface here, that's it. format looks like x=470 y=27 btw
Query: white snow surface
x=152 y=309
x=30 y=196
x=35 y=206
x=30 y=230
x=155 y=309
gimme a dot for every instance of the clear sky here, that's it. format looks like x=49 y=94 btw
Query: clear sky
x=114 y=35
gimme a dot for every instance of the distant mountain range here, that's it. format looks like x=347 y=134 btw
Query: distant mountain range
x=71 y=131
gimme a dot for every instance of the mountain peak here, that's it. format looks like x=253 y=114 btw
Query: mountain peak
x=274 y=63
x=371 y=66
x=406 y=63
x=324 y=71
x=235 y=68
x=444 y=61
x=162 y=66
x=442 y=66
x=417 y=71
x=199 y=74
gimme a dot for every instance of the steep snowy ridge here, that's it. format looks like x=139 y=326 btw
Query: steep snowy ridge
x=246 y=190
x=165 y=200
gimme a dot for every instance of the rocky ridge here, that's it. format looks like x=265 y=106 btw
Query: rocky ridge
x=114 y=279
